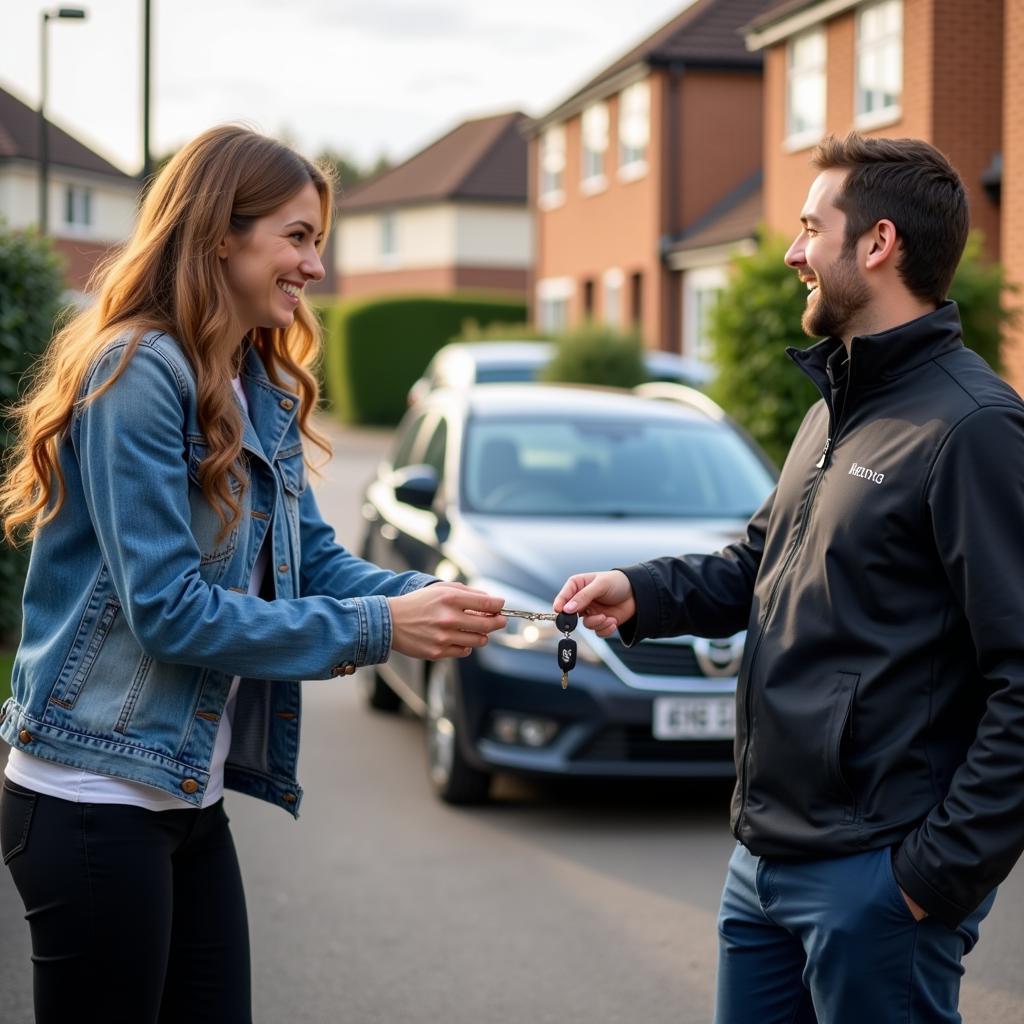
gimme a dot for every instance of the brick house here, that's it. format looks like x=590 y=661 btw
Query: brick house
x=451 y=217
x=645 y=179
x=931 y=69
x=92 y=204
x=1012 y=236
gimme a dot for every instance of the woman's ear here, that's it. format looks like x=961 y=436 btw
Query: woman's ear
x=222 y=248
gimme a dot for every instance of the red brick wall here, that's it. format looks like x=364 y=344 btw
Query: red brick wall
x=967 y=98
x=1013 y=184
x=442 y=280
x=721 y=141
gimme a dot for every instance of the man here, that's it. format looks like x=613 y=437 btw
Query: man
x=880 y=725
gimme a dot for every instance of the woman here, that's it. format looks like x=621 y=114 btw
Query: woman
x=181 y=579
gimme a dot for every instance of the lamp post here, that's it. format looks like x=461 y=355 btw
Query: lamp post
x=44 y=141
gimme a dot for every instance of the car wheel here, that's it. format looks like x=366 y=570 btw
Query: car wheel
x=454 y=780
x=377 y=694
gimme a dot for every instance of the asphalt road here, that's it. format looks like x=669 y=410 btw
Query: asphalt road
x=593 y=904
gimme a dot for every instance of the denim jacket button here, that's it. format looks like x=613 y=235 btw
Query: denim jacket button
x=288 y=798
x=25 y=736
x=189 y=786
x=287 y=404
x=283 y=567
x=343 y=670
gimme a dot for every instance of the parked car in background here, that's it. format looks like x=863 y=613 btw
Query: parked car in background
x=512 y=489
x=461 y=364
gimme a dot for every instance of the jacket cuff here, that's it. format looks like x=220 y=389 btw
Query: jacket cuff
x=645 y=594
x=922 y=893
x=374 y=642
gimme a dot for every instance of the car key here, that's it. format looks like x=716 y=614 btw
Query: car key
x=565 y=623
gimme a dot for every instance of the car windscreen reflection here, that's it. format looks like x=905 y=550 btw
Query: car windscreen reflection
x=562 y=466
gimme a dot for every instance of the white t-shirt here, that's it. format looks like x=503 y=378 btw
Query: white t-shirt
x=81 y=786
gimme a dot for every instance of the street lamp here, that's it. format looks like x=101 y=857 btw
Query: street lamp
x=44 y=142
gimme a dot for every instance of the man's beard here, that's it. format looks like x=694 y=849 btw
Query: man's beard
x=841 y=296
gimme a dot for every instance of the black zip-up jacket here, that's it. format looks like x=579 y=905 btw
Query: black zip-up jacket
x=881 y=696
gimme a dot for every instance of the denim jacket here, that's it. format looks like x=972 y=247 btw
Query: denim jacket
x=136 y=612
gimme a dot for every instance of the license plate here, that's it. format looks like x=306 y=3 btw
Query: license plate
x=694 y=718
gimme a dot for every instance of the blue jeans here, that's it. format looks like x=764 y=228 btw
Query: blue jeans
x=833 y=942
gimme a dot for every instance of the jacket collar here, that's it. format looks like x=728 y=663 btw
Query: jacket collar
x=271 y=408
x=877 y=358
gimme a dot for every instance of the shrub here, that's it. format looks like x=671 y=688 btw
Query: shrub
x=375 y=349
x=597 y=354
x=758 y=317
x=31 y=283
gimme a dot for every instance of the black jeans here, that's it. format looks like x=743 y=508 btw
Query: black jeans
x=137 y=916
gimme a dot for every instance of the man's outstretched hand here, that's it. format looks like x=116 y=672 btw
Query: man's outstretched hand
x=603 y=600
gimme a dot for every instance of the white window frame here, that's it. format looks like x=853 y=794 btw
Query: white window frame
x=877 y=46
x=593 y=148
x=634 y=130
x=551 y=169
x=696 y=282
x=388 y=225
x=612 y=282
x=813 y=74
x=553 y=296
x=78 y=209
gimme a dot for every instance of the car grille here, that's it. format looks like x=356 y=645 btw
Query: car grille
x=636 y=743
x=653 y=659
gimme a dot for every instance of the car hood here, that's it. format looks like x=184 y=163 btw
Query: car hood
x=538 y=555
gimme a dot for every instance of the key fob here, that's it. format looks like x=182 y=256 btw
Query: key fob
x=567 y=654
x=566 y=622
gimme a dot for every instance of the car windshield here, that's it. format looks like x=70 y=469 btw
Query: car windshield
x=610 y=467
x=505 y=373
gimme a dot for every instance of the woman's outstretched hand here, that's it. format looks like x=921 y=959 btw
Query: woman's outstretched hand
x=603 y=600
x=444 y=620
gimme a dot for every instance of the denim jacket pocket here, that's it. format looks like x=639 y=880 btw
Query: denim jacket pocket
x=79 y=663
x=215 y=547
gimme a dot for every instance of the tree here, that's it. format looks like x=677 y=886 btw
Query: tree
x=31 y=285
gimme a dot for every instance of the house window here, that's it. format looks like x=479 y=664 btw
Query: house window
x=78 y=206
x=702 y=289
x=595 y=142
x=879 y=63
x=553 y=294
x=552 y=166
x=612 y=281
x=636 y=299
x=805 y=89
x=388 y=242
x=634 y=129
x=588 y=299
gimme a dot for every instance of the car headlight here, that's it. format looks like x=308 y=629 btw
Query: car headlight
x=526 y=634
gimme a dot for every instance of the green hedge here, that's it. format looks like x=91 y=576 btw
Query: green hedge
x=31 y=284
x=758 y=317
x=377 y=348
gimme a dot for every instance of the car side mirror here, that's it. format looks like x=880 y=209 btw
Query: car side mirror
x=415 y=485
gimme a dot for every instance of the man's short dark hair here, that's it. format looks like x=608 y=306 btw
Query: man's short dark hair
x=912 y=184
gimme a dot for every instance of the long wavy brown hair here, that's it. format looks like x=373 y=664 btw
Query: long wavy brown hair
x=168 y=277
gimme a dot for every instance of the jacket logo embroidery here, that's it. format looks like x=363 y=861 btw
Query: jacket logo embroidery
x=865 y=473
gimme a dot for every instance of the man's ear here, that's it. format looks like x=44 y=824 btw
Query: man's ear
x=882 y=243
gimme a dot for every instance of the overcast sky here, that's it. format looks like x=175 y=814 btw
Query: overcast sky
x=366 y=76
